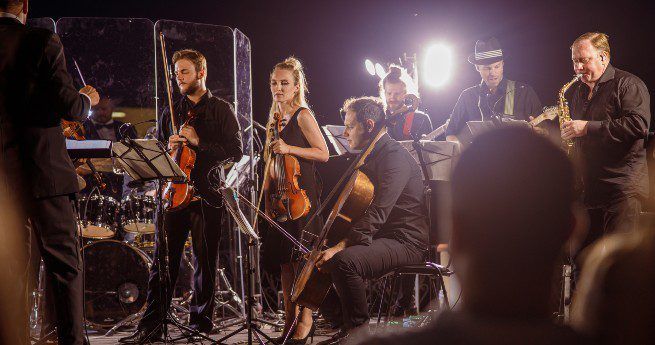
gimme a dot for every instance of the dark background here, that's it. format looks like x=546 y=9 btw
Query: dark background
x=333 y=38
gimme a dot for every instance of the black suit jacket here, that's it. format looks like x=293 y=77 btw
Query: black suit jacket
x=36 y=92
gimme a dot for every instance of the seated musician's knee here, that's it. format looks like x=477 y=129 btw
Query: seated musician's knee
x=340 y=262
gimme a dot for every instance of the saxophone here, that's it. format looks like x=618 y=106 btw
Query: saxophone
x=563 y=110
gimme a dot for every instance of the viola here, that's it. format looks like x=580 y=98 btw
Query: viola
x=287 y=200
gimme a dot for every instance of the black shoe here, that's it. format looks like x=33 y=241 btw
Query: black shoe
x=404 y=311
x=338 y=338
x=303 y=341
x=143 y=336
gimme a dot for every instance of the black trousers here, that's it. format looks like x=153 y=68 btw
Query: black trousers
x=204 y=222
x=55 y=229
x=352 y=266
x=618 y=217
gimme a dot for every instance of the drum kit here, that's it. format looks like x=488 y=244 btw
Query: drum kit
x=118 y=251
x=116 y=272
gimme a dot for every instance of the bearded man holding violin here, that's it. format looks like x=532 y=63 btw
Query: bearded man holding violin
x=210 y=128
x=392 y=232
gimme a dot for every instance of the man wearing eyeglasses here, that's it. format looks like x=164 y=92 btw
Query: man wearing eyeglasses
x=610 y=109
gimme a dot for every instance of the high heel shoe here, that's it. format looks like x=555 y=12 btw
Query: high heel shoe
x=280 y=339
x=303 y=341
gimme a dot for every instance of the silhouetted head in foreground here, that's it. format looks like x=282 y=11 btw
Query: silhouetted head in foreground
x=512 y=212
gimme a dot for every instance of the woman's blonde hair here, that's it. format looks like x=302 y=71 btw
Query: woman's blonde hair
x=294 y=66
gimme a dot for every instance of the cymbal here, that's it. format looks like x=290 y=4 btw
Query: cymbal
x=100 y=164
x=81 y=182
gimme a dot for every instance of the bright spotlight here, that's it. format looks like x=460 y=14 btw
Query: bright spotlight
x=379 y=70
x=438 y=63
x=370 y=68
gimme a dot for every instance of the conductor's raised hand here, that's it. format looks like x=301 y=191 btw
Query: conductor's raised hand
x=92 y=93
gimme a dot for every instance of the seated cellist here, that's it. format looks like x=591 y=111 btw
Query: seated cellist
x=393 y=231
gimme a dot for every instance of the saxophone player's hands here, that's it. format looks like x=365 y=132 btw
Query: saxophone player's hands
x=573 y=129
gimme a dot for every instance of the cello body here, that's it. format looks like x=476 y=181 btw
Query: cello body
x=312 y=286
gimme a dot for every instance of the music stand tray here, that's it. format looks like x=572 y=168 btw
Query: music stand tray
x=339 y=143
x=439 y=157
x=146 y=159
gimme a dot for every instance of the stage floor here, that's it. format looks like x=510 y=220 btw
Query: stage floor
x=241 y=338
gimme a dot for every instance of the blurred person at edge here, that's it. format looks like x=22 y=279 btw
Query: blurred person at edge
x=36 y=93
x=505 y=260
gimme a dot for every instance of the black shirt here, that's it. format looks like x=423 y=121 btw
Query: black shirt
x=218 y=131
x=398 y=209
x=410 y=126
x=476 y=104
x=612 y=154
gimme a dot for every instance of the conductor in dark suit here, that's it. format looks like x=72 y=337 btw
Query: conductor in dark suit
x=36 y=92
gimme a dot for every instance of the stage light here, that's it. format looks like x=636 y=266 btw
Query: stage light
x=379 y=70
x=437 y=65
x=370 y=68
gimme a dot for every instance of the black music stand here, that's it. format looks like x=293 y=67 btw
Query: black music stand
x=436 y=160
x=147 y=160
x=339 y=143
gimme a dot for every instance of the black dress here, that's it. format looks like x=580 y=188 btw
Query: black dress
x=276 y=249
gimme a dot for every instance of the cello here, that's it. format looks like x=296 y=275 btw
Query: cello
x=177 y=195
x=311 y=286
x=288 y=201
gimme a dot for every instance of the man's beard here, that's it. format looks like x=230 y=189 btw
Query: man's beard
x=192 y=88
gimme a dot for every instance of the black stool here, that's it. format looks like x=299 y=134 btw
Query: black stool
x=434 y=271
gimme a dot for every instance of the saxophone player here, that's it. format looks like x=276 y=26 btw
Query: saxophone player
x=610 y=113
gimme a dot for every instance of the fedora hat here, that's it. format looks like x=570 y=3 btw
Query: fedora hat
x=487 y=51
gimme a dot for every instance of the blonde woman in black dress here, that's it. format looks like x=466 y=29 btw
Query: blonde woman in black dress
x=300 y=137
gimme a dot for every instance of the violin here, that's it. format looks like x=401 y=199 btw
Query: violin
x=177 y=195
x=287 y=200
x=72 y=130
x=75 y=131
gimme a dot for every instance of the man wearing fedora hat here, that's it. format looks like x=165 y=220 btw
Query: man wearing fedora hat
x=495 y=96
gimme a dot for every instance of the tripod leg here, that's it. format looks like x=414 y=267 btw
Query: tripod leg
x=121 y=323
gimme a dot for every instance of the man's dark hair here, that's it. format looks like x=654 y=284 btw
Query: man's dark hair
x=513 y=192
x=365 y=108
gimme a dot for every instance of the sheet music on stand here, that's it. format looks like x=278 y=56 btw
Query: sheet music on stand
x=439 y=156
x=339 y=143
x=230 y=197
x=238 y=172
x=153 y=162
